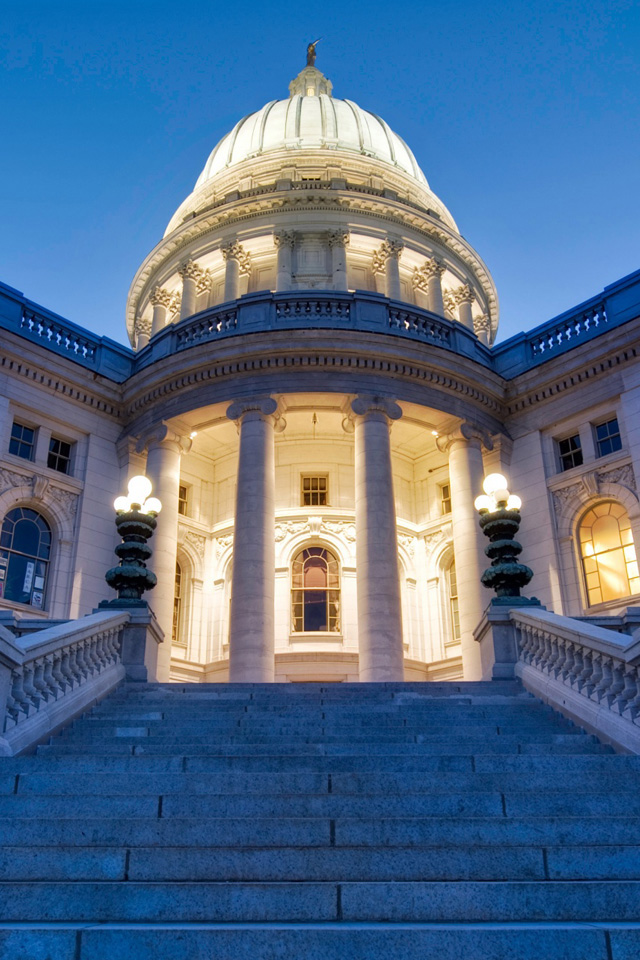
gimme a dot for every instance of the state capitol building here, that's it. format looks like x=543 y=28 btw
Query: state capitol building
x=313 y=390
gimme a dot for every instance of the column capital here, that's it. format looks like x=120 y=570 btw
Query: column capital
x=204 y=283
x=232 y=250
x=464 y=432
x=338 y=238
x=481 y=325
x=162 y=434
x=389 y=249
x=142 y=327
x=363 y=405
x=284 y=238
x=433 y=267
x=419 y=279
x=262 y=406
x=189 y=270
x=160 y=297
x=463 y=294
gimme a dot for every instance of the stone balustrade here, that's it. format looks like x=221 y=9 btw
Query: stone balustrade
x=50 y=675
x=588 y=673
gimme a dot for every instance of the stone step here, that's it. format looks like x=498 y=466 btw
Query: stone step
x=553 y=744
x=355 y=782
x=327 y=941
x=528 y=901
x=90 y=827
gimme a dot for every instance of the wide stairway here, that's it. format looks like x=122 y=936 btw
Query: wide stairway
x=320 y=822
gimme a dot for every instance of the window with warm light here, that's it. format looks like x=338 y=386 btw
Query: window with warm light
x=176 y=633
x=608 y=553
x=445 y=499
x=315 y=592
x=454 y=608
x=183 y=500
x=315 y=491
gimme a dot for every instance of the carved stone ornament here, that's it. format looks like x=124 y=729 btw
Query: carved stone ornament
x=408 y=542
x=161 y=297
x=197 y=541
x=163 y=433
x=291 y=528
x=623 y=475
x=464 y=431
x=337 y=238
x=10 y=479
x=434 y=539
x=464 y=294
x=232 y=250
x=419 y=279
x=174 y=306
x=189 y=270
x=203 y=285
x=566 y=495
x=450 y=304
x=284 y=238
x=340 y=528
x=433 y=267
x=143 y=327
x=387 y=249
x=66 y=500
x=223 y=543
x=481 y=324
x=39 y=485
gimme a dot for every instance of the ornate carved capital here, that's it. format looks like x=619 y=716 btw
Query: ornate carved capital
x=449 y=302
x=232 y=250
x=388 y=249
x=174 y=306
x=265 y=406
x=433 y=267
x=204 y=283
x=162 y=433
x=160 y=297
x=481 y=325
x=394 y=248
x=463 y=294
x=467 y=433
x=337 y=238
x=142 y=327
x=285 y=238
x=189 y=270
x=363 y=405
x=419 y=280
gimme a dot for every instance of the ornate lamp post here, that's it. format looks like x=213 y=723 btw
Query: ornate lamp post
x=135 y=520
x=499 y=520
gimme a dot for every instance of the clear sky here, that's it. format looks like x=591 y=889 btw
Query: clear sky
x=523 y=115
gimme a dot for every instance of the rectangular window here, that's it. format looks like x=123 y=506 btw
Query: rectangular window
x=570 y=452
x=183 y=500
x=315 y=491
x=23 y=441
x=445 y=498
x=608 y=438
x=59 y=455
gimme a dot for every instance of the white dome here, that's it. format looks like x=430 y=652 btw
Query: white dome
x=304 y=122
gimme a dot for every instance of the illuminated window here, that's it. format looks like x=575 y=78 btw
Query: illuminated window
x=59 y=455
x=183 y=500
x=25 y=551
x=445 y=498
x=570 y=452
x=608 y=438
x=454 y=609
x=608 y=553
x=176 y=633
x=315 y=491
x=315 y=592
x=23 y=441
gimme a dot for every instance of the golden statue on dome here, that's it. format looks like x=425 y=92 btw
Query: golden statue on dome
x=311 y=52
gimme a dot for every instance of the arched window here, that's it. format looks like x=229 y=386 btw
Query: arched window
x=177 y=633
x=454 y=610
x=608 y=553
x=25 y=551
x=315 y=593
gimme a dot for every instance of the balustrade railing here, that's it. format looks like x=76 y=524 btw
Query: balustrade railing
x=310 y=308
x=591 y=673
x=205 y=328
x=427 y=326
x=568 y=330
x=50 y=675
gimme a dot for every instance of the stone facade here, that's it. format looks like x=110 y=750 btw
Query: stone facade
x=313 y=316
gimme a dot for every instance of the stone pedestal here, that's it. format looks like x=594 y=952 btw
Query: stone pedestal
x=379 y=607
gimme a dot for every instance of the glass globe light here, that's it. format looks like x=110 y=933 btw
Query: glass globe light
x=514 y=502
x=483 y=502
x=152 y=505
x=501 y=496
x=495 y=481
x=121 y=504
x=139 y=489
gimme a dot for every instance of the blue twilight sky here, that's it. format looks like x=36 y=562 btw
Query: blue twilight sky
x=523 y=115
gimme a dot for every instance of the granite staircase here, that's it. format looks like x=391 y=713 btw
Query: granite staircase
x=320 y=822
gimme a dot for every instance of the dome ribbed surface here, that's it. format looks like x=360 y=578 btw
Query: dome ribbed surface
x=311 y=122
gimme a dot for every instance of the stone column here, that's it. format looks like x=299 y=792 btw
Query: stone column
x=142 y=329
x=338 y=241
x=466 y=474
x=433 y=270
x=251 y=633
x=160 y=300
x=395 y=248
x=191 y=274
x=238 y=262
x=378 y=586
x=284 y=241
x=164 y=449
x=464 y=297
x=482 y=328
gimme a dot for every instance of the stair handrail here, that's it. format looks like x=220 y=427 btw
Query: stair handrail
x=587 y=672
x=52 y=675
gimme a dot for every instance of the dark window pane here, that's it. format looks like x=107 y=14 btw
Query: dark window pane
x=570 y=450
x=608 y=437
x=22 y=441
